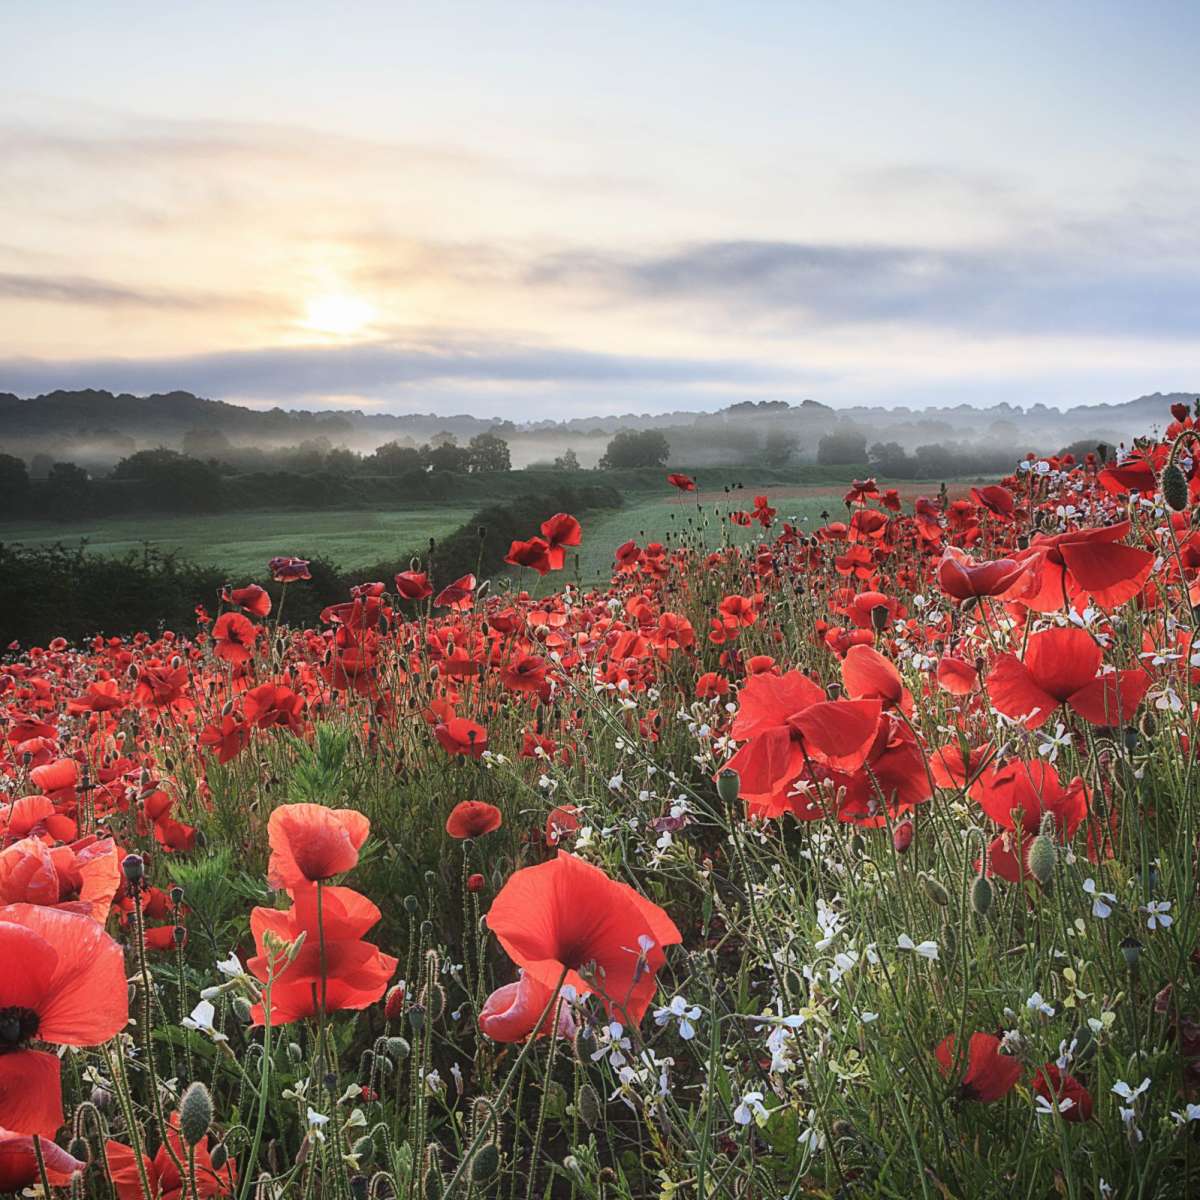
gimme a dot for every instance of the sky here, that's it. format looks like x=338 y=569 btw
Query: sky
x=534 y=210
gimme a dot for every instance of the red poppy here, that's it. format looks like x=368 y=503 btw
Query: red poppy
x=60 y=776
x=356 y=973
x=989 y=1075
x=963 y=578
x=957 y=676
x=458 y=736
x=254 y=599
x=285 y=569
x=526 y=673
x=1068 y=568
x=228 y=737
x=472 y=819
x=561 y=531
x=567 y=916
x=162 y=1174
x=869 y=676
x=18 y=1163
x=69 y=991
x=273 y=704
x=83 y=878
x=310 y=842
x=459 y=595
x=1060 y=667
x=1072 y=1100
x=561 y=823
x=1019 y=794
x=685 y=483
x=996 y=499
x=510 y=1013
x=233 y=637
x=413 y=585
x=535 y=553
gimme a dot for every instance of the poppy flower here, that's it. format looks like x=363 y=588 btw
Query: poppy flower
x=1060 y=667
x=472 y=819
x=988 y=1075
x=101 y=696
x=18 y=1163
x=1068 y=568
x=1019 y=794
x=957 y=676
x=511 y=1012
x=70 y=991
x=356 y=973
x=285 y=569
x=1069 y=1097
x=163 y=1175
x=964 y=578
x=561 y=531
x=228 y=737
x=459 y=595
x=83 y=878
x=233 y=637
x=413 y=585
x=526 y=673
x=996 y=499
x=561 y=823
x=534 y=553
x=56 y=778
x=460 y=737
x=311 y=843
x=567 y=916
x=272 y=704
x=253 y=599
x=685 y=483
x=869 y=676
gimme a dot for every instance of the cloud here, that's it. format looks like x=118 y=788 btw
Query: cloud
x=1003 y=289
x=82 y=290
x=387 y=368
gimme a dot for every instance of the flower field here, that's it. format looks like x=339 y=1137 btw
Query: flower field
x=857 y=857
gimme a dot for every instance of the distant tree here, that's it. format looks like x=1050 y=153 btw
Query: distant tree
x=443 y=438
x=14 y=483
x=172 y=481
x=779 y=447
x=842 y=447
x=207 y=443
x=567 y=461
x=41 y=466
x=891 y=459
x=447 y=457
x=392 y=458
x=68 y=490
x=342 y=462
x=636 y=448
x=936 y=461
x=488 y=453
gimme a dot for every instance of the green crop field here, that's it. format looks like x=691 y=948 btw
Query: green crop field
x=243 y=542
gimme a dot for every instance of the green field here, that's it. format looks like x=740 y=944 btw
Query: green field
x=243 y=542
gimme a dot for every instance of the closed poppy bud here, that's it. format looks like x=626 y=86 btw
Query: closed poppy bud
x=134 y=868
x=78 y=1149
x=195 y=1114
x=934 y=890
x=1174 y=487
x=1042 y=859
x=398 y=1048
x=1131 y=948
x=729 y=786
x=475 y=882
x=588 y=1104
x=411 y=904
x=219 y=1156
x=393 y=1006
x=485 y=1163
x=902 y=836
x=981 y=895
x=243 y=1009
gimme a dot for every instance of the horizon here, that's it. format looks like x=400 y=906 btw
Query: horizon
x=501 y=212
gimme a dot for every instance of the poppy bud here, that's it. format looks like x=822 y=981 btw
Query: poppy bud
x=981 y=895
x=485 y=1163
x=179 y=934
x=416 y=1018
x=902 y=836
x=101 y=1097
x=949 y=944
x=1042 y=859
x=393 y=1006
x=294 y=1052
x=588 y=1104
x=219 y=1156
x=78 y=1148
x=879 y=617
x=177 y=896
x=1174 y=487
x=934 y=890
x=729 y=786
x=195 y=1113
x=364 y=1148
x=411 y=904
x=398 y=1048
x=242 y=1010
x=475 y=882
x=134 y=868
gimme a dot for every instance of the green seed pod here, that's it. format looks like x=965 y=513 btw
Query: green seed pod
x=982 y=893
x=398 y=1048
x=949 y=944
x=364 y=1149
x=556 y=1100
x=485 y=1164
x=1131 y=948
x=729 y=785
x=195 y=1114
x=588 y=1103
x=1174 y=487
x=1043 y=858
x=219 y=1156
x=416 y=1018
x=411 y=904
x=243 y=1010
x=78 y=1148
x=934 y=890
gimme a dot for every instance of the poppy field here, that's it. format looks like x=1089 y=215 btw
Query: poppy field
x=852 y=856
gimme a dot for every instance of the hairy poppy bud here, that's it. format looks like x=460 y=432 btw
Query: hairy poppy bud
x=981 y=895
x=1131 y=949
x=485 y=1163
x=364 y=1148
x=934 y=890
x=242 y=1010
x=398 y=1047
x=729 y=786
x=1042 y=859
x=1174 y=487
x=195 y=1113
x=411 y=904
x=902 y=836
x=393 y=1006
x=219 y=1156
x=177 y=895
x=475 y=882
x=78 y=1148
x=134 y=868
x=588 y=1103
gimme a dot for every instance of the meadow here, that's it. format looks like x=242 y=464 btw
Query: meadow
x=846 y=856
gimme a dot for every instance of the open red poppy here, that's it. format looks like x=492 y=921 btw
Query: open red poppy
x=988 y=1075
x=472 y=819
x=310 y=843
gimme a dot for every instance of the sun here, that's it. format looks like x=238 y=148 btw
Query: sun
x=338 y=314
